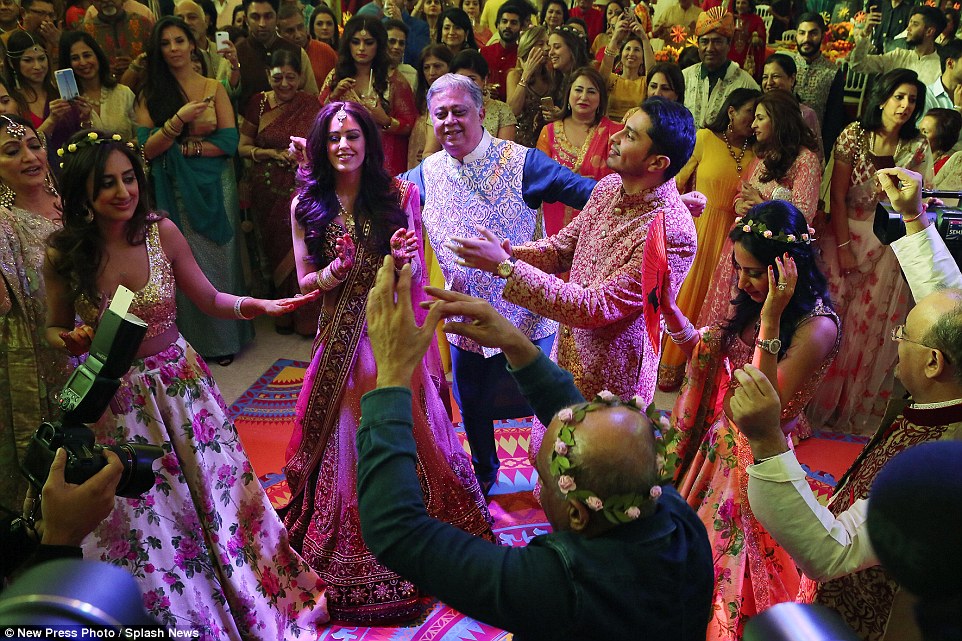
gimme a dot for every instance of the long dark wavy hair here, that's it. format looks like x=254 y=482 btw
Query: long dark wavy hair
x=158 y=93
x=884 y=88
x=789 y=134
x=433 y=50
x=778 y=216
x=79 y=242
x=69 y=39
x=347 y=68
x=736 y=99
x=377 y=203
x=575 y=43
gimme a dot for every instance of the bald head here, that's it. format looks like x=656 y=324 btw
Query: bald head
x=614 y=454
x=931 y=349
x=192 y=13
x=945 y=332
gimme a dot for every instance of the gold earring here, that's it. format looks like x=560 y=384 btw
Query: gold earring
x=7 y=196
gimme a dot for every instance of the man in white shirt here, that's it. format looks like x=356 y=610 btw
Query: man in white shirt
x=831 y=544
x=925 y=25
x=708 y=83
x=683 y=12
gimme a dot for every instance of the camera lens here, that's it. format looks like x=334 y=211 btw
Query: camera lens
x=138 y=461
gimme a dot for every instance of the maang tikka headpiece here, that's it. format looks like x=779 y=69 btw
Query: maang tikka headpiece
x=341 y=115
x=15 y=129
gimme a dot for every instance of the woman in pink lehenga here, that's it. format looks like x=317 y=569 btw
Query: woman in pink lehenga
x=782 y=323
x=341 y=235
x=785 y=168
x=863 y=274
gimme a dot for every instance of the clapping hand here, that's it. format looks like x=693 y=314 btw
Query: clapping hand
x=484 y=252
x=345 y=254
x=404 y=247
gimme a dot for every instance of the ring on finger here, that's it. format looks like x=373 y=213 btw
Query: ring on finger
x=781 y=287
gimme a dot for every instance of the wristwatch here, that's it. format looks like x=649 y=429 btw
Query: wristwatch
x=506 y=266
x=772 y=346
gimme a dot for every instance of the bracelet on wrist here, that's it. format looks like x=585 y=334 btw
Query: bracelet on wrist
x=916 y=216
x=683 y=335
x=522 y=83
x=844 y=244
x=238 y=312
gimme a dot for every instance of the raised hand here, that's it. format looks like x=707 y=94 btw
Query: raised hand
x=345 y=254
x=404 y=246
x=78 y=340
x=780 y=291
x=482 y=253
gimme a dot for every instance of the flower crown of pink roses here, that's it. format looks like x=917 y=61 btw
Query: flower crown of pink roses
x=757 y=227
x=618 y=508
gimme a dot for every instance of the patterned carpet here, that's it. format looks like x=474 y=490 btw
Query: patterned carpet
x=264 y=417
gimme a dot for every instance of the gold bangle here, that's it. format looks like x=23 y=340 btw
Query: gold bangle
x=253 y=159
x=522 y=83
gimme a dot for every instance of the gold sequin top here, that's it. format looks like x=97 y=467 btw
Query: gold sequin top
x=154 y=303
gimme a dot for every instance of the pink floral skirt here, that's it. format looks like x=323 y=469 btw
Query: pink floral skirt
x=205 y=544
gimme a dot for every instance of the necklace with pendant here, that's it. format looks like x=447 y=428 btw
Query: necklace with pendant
x=731 y=151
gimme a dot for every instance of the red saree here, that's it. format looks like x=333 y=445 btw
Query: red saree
x=272 y=183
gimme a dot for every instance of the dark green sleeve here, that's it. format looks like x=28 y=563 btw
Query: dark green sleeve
x=522 y=590
x=547 y=387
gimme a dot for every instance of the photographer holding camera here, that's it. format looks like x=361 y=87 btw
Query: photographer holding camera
x=68 y=513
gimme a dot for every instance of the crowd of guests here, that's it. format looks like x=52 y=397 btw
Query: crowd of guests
x=536 y=165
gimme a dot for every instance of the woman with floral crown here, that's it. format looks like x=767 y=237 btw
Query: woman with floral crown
x=783 y=324
x=204 y=543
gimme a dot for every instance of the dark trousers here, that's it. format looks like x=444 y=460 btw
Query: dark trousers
x=485 y=391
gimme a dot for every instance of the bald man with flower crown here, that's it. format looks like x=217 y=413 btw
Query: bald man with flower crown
x=628 y=558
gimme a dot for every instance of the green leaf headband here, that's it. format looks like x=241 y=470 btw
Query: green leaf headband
x=618 y=508
x=757 y=227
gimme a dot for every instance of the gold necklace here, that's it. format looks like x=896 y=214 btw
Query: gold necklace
x=731 y=151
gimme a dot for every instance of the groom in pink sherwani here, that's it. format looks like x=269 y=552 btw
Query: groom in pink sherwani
x=603 y=341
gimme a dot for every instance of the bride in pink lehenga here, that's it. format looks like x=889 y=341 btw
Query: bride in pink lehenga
x=341 y=235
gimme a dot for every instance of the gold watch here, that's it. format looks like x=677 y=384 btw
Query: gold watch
x=506 y=266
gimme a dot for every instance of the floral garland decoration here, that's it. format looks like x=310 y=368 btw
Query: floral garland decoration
x=757 y=227
x=618 y=508
x=93 y=138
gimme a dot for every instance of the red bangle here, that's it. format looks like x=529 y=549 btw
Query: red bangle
x=916 y=216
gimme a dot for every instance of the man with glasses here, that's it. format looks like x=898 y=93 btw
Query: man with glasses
x=708 y=83
x=39 y=19
x=290 y=27
x=830 y=544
